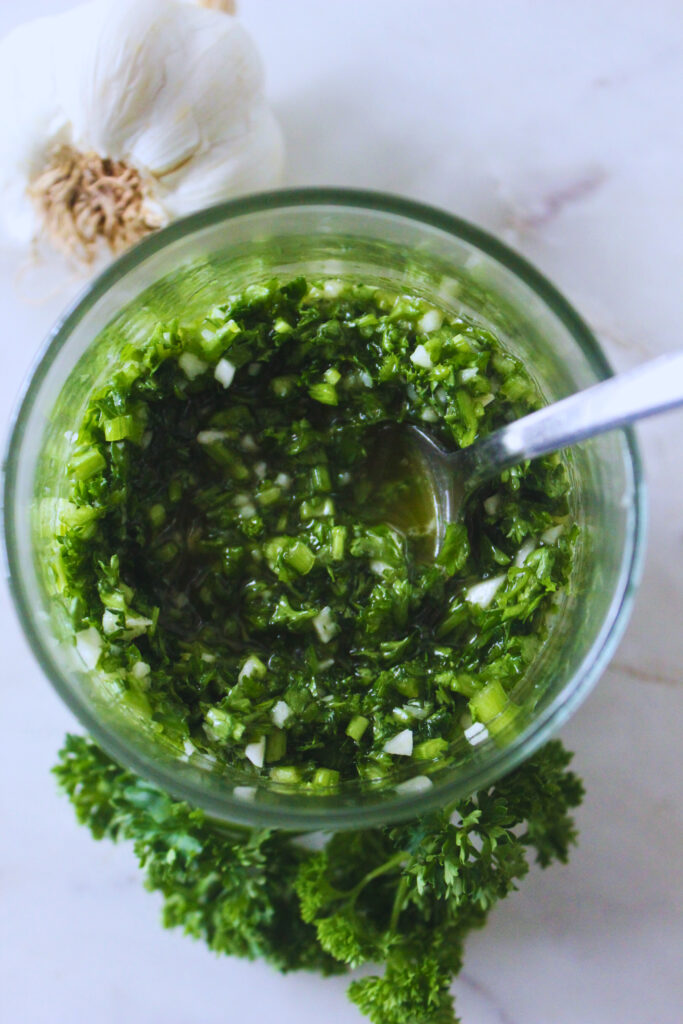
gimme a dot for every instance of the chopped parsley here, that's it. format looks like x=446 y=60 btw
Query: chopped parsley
x=219 y=557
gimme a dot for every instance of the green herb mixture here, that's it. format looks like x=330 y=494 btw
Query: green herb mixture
x=226 y=578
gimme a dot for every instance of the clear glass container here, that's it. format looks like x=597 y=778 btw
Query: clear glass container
x=382 y=240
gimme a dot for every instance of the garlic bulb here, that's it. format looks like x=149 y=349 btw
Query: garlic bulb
x=121 y=115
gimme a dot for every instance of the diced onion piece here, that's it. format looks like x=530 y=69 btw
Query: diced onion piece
x=283 y=480
x=483 y=593
x=333 y=288
x=89 y=646
x=191 y=365
x=244 y=792
x=551 y=534
x=418 y=784
x=429 y=415
x=366 y=379
x=110 y=622
x=476 y=733
x=280 y=713
x=248 y=444
x=468 y=374
x=524 y=552
x=211 y=436
x=256 y=752
x=421 y=357
x=224 y=372
x=325 y=626
x=492 y=504
x=140 y=670
x=430 y=321
x=253 y=666
x=138 y=622
x=401 y=743
x=218 y=725
x=416 y=710
x=379 y=567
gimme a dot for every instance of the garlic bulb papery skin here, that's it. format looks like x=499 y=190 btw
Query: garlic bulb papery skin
x=125 y=114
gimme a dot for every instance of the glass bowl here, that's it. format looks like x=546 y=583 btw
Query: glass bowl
x=391 y=242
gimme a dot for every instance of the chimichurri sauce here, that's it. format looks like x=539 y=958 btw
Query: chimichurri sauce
x=223 y=567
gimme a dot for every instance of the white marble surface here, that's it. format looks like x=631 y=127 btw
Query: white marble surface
x=558 y=127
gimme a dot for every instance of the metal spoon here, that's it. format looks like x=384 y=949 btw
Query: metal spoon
x=651 y=388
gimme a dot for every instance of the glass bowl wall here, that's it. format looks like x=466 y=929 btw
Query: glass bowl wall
x=382 y=240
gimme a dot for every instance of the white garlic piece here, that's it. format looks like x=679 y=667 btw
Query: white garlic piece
x=121 y=115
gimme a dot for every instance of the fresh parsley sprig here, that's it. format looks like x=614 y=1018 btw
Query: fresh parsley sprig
x=403 y=896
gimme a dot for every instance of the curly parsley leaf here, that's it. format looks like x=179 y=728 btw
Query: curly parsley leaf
x=404 y=897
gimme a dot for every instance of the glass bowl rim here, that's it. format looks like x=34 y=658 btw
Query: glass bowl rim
x=397 y=806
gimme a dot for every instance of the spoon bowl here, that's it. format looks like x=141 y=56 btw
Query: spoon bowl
x=452 y=477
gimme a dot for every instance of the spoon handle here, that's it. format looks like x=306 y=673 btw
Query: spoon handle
x=648 y=389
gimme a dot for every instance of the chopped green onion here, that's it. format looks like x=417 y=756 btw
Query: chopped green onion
x=268 y=496
x=338 y=542
x=326 y=778
x=317 y=509
x=320 y=478
x=214 y=341
x=357 y=727
x=300 y=558
x=86 y=463
x=324 y=393
x=167 y=552
x=282 y=387
x=157 y=515
x=489 y=701
x=288 y=774
x=276 y=745
x=281 y=326
x=120 y=427
x=430 y=749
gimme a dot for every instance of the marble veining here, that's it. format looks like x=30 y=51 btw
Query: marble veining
x=552 y=203
x=491 y=1000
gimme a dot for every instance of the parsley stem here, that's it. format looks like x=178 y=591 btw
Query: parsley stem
x=383 y=869
x=398 y=903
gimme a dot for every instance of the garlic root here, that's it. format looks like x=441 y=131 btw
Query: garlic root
x=83 y=200
x=228 y=6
